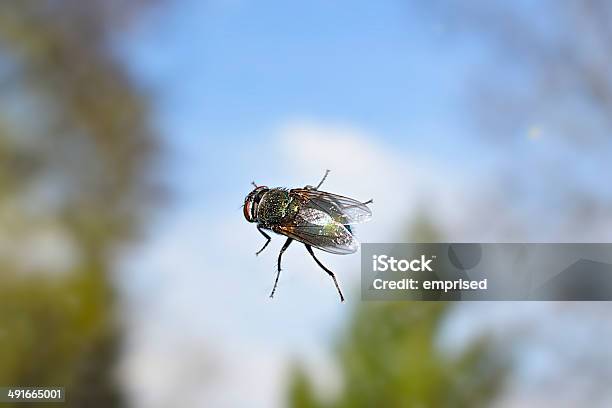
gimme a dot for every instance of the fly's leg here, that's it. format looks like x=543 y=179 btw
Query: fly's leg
x=309 y=187
x=268 y=239
x=330 y=273
x=322 y=180
x=278 y=264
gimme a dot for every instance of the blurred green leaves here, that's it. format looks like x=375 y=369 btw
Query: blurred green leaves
x=390 y=356
x=76 y=154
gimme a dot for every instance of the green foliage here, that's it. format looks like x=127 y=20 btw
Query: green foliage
x=423 y=229
x=75 y=154
x=390 y=357
x=302 y=393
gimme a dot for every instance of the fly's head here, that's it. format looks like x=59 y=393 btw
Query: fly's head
x=251 y=202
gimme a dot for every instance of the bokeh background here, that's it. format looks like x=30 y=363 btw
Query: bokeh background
x=130 y=132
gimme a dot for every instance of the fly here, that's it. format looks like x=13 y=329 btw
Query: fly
x=315 y=218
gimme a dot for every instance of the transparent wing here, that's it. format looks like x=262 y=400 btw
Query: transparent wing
x=318 y=229
x=342 y=209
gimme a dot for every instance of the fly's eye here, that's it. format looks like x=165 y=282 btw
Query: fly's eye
x=246 y=209
x=251 y=202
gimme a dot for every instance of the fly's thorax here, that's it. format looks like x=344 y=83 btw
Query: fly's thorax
x=274 y=206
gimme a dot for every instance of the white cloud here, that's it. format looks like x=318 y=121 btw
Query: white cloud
x=401 y=182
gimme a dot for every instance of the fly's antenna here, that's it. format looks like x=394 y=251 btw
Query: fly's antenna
x=253 y=183
x=322 y=180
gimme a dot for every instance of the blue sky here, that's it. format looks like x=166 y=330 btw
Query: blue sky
x=277 y=92
x=225 y=73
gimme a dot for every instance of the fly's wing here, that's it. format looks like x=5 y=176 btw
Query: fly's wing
x=318 y=229
x=342 y=209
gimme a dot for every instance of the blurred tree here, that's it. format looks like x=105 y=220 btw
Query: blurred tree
x=76 y=152
x=302 y=393
x=541 y=90
x=390 y=357
x=543 y=93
